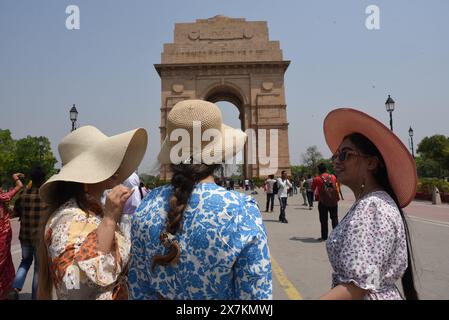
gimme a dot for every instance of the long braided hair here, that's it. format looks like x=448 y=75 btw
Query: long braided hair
x=381 y=176
x=184 y=179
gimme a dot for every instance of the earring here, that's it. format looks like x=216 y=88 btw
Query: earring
x=362 y=189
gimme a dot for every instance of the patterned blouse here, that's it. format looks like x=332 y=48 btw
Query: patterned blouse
x=78 y=269
x=224 y=249
x=368 y=248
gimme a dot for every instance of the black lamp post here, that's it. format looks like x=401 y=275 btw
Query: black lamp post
x=410 y=133
x=389 y=105
x=41 y=149
x=73 y=117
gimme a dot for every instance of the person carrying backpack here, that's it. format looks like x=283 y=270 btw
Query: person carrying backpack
x=325 y=186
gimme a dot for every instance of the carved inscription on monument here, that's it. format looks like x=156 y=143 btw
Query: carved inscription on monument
x=221 y=34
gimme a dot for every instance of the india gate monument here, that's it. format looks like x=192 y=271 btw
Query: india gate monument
x=233 y=60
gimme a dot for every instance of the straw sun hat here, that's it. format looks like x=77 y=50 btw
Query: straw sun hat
x=400 y=164
x=202 y=115
x=89 y=156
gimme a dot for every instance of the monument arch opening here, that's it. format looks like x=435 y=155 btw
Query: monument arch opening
x=232 y=117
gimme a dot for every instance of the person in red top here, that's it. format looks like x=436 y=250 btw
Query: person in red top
x=7 y=271
x=326 y=203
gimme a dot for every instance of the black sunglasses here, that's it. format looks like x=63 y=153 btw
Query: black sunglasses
x=342 y=155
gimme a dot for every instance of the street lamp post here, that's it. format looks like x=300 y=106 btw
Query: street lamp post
x=41 y=149
x=389 y=105
x=410 y=133
x=73 y=117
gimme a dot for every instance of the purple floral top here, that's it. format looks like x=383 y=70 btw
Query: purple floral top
x=368 y=248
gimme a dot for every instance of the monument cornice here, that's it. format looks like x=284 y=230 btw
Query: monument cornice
x=283 y=64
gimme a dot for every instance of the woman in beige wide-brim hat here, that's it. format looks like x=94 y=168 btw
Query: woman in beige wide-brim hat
x=370 y=250
x=193 y=239
x=82 y=253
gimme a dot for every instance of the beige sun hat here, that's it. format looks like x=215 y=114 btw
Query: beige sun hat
x=202 y=117
x=89 y=156
x=400 y=164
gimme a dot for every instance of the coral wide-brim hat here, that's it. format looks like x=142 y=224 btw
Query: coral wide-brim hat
x=89 y=156
x=401 y=166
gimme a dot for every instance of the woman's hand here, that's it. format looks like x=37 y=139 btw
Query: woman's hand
x=345 y=291
x=113 y=209
x=16 y=177
x=115 y=201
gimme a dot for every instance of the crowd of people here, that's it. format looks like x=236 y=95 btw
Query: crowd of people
x=95 y=232
x=323 y=188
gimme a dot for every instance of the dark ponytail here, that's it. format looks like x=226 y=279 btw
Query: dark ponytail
x=381 y=176
x=184 y=179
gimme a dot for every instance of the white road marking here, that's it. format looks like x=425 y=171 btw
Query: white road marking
x=433 y=222
x=442 y=206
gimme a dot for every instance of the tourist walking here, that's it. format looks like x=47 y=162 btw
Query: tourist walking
x=7 y=271
x=325 y=188
x=302 y=190
x=29 y=209
x=283 y=185
x=370 y=250
x=309 y=190
x=269 y=185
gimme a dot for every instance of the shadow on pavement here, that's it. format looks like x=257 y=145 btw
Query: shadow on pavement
x=24 y=296
x=303 y=208
x=306 y=240
x=271 y=220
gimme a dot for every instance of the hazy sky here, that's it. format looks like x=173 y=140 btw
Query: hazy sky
x=106 y=67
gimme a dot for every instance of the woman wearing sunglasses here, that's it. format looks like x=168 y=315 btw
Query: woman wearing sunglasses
x=370 y=250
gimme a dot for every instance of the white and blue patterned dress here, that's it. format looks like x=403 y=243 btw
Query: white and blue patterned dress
x=224 y=248
x=369 y=247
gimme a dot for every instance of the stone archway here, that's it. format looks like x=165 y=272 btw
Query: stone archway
x=227 y=59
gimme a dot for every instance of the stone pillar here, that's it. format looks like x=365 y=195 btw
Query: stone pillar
x=436 y=197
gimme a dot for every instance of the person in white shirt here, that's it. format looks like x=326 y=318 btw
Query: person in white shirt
x=283 y=185
x=269 y=183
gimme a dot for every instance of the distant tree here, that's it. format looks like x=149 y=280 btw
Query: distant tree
x=29 y=154
x=238 y=174
x=7 y=147
x=311 y=159
x=23 y=154
x=434 y=154
x=427 y=168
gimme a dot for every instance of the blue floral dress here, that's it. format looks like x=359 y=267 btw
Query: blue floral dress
x=224 y=249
